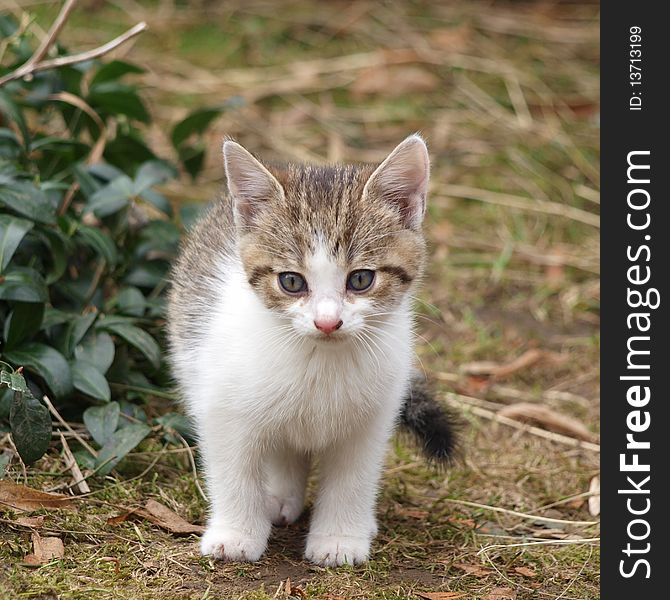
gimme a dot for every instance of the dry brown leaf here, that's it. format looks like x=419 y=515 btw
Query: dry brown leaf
x=159 y=515
x=469 y=523
x=542 y=416
x=20 y=497
x=476 y=570
x=44 y=550
x=594 y=501
x=525 y=571
x=501 y=593
x=170 y=520
x=394 y=81
x=31 y=521
x=440 y=595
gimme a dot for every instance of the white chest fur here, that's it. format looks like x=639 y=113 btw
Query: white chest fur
x=300 y=390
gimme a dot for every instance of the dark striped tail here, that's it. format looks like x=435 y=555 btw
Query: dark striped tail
x=431 y=423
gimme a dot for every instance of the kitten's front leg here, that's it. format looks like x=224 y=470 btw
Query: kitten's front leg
x=344 y=524
x=238 y=526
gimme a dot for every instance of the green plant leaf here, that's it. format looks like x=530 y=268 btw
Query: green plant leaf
x=31 y=427
x=123 y=441
x=13 y=380
x=98 y=241
x=14 y=114
x=87 y=379
x=73 y=332
x=112 y=197
x=196 y=122
x=180 y=423
x=102 y=421
x=54 y=316
x=130 y=301
x=136 y=337
x=23 y=284
x=114 y=70
x=153 y=172
x=118 y=99
x=57 y=245
x=192 y=157
x=27 y=200
x=46 y=362
x=12 y=231
x=22 y=323
x=97 y=347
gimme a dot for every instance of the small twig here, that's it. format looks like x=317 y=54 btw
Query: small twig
x=520 y=514
x=74 y=434
x=473 y=405
x=518 y=202
x=71 y=463
x=191 y=459
x=62 y=61
x=542 y=543
x=23 y=465
x=47 y=42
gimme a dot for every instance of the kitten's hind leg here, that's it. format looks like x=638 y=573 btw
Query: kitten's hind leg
x=286 y=478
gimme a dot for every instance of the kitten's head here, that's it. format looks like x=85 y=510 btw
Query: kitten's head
x=334 y=249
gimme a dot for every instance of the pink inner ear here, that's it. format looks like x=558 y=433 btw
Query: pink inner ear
x=402 y=179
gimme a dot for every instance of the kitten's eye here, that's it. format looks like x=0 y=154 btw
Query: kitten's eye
x=293 y=283
x=360 y=280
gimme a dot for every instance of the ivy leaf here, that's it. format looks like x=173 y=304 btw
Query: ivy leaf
x=135 y=337
x=114 y=70
x=195 y=123
x=121 y=442
x=46 y=362
x=23 y=284
x=22 y=323
x=102 y=421
x=87 y=379
x=98 y=241
x=130 y=301
x=13 y=113
x=118 y=99
x=27 y=200
x=73 y=332
x=12 y=231
x=97 y=347
x=31 y=427
x=112 y=197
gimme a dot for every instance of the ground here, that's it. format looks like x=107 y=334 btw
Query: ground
x=506 y=95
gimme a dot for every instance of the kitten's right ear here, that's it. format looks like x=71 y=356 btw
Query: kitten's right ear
x=250 y=184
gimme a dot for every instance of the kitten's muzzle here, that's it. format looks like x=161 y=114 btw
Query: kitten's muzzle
x=327 y=326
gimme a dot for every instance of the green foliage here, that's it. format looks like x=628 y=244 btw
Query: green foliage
x=86 y=241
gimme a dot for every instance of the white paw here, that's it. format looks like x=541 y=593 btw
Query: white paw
x=332 y=551
x=225 y=544
x=283 y=511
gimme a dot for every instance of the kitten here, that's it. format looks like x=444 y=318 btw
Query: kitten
x=291 y=338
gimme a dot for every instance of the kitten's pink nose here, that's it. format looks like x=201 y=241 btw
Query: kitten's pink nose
x=327 y=325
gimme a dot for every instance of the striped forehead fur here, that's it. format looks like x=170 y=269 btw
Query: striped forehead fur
x=326 y=205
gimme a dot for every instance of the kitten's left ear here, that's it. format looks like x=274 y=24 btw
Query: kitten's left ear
x=402 y=180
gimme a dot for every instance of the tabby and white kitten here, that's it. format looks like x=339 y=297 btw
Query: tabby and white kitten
x=290 y=330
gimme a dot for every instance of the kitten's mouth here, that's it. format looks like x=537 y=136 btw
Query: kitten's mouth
x=330 y=337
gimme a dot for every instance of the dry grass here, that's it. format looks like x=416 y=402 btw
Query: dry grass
x=507 y=96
